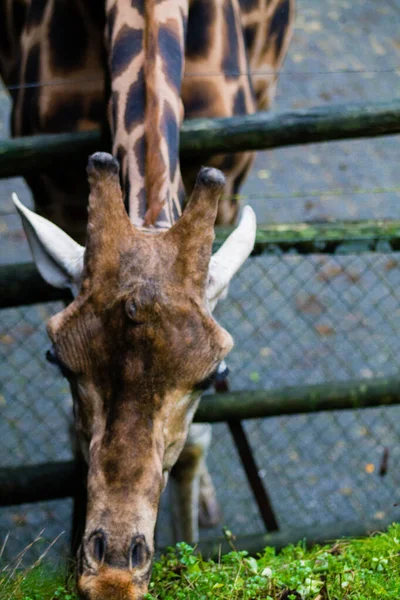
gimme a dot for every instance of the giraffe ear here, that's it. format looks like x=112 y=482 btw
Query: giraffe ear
x=58 y=257
x=231 y=256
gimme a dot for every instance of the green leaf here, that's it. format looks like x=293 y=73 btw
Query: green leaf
x=252 y=563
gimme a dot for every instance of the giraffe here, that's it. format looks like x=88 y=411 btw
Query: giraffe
x=154 y=60
x=134 y=68
x=138 y=345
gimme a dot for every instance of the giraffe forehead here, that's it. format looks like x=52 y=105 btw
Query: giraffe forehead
x=156 y=261
x=148 y=253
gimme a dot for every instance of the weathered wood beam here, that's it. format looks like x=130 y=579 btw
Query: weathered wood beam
x=204 y=137
x=21 y=156
x=38 y=483
x=334 y=395
x=53 y=481
x=58 y=480
x=272 y=130
x=21 y=284
x=348 y=237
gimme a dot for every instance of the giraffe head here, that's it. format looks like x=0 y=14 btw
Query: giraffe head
x=138 y=345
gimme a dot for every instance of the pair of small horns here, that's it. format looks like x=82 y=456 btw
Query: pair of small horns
x=109 y=223
x=106 y=195
x=60 y=259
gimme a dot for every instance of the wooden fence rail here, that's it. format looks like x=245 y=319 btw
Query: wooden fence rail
x=203 y=137
x=21 y=284
x=51 y=481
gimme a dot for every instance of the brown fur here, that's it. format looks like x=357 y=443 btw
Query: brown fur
x=155 y=169
x=135 y=350
x=112 y=584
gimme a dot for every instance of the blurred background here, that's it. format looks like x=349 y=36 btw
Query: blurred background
x=296 y=319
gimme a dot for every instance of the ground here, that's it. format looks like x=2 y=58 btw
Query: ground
x=361 y=569
x=295 y=320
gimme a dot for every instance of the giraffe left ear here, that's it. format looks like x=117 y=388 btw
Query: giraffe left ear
x=230 y=257
x=58 y=257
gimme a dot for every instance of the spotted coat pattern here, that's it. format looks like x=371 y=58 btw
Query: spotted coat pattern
x=155 y=61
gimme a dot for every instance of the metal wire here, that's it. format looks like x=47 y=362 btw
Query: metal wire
x=318 y=193
x=253 y=73
x=300 y=195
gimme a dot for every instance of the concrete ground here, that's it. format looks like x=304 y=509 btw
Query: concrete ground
x=296 y=320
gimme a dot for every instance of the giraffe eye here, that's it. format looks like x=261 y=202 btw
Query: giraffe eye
x=132 y=313
x=51 y=357
x=219 y=375
x=131 y=310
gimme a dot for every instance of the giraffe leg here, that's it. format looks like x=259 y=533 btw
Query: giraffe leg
x=209 y=509
x=238 y=167
x=268 y=29
x=192 y=486
x=64 y=207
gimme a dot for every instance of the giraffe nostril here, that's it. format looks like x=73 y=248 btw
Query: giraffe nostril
x=138 y=552
x=97 y=545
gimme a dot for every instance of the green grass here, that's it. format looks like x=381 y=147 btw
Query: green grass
x=357 y=569
x=38 y=583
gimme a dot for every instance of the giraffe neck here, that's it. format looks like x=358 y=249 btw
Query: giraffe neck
x=146 y=50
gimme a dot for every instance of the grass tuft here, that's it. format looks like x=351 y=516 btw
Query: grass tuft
x=356 y=569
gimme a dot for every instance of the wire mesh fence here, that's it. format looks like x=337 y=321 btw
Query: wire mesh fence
x=305 y=320
x=296 y=320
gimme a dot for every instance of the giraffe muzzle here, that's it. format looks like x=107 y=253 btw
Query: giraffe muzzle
x=114 y=571
x=100 y=551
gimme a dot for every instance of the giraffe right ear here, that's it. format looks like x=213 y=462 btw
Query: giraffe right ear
x=58 y=257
